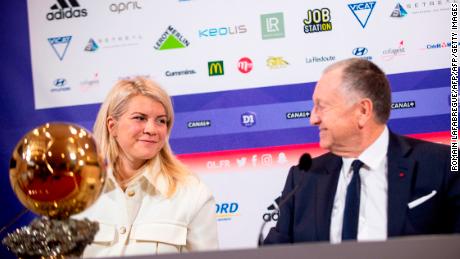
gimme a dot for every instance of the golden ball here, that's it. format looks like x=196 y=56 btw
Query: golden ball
x=56 y=170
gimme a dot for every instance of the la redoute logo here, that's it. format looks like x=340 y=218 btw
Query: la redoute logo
x=66 y=9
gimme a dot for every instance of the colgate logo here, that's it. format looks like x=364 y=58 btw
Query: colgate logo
x=245 y=65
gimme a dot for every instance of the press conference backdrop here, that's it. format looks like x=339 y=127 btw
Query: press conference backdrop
x=241 y=74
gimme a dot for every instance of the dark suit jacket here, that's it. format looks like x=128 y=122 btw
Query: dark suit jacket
x=415 y=169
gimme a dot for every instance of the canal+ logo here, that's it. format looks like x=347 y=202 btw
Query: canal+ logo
x=66 y=9
x=362 y=11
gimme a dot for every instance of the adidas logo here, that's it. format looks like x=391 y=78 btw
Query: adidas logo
x=171 y=39
x=66 y=9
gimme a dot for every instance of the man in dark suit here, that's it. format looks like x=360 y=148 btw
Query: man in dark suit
x=373 y=184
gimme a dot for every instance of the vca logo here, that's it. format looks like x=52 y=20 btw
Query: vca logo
x=66 y=9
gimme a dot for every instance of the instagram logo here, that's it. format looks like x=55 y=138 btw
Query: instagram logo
x=266 y=159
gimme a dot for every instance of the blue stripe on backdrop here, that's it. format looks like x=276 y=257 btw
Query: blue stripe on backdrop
x=299 y=92
x=276 y=116
x=301 y=135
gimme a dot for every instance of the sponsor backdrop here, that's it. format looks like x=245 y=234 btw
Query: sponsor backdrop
x=241 y=75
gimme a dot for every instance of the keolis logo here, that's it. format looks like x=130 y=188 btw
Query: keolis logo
x=66 y=9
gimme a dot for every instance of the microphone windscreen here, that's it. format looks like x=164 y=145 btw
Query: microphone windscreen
x=305 y=162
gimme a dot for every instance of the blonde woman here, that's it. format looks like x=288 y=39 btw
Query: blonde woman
x=151 y=203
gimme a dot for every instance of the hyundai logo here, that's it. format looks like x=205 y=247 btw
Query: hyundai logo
x=359 y=51
x=60 y=82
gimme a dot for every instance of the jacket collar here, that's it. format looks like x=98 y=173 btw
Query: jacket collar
x=150 y=175
x=400 y=174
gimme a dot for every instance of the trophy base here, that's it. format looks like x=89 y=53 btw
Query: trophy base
x=51 y=238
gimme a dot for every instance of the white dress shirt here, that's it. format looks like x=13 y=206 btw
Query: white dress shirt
x=142 y=220
x=373 y=207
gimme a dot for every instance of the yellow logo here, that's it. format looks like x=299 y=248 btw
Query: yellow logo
x=216 y=68
x=276 y=62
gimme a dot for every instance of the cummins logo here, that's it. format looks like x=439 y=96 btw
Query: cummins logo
x=66 y=9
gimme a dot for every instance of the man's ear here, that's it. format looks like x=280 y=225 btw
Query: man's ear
x=111 y=126
x=365 y=111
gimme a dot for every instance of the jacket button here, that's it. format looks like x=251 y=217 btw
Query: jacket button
x=122 y=230
x=131 y=193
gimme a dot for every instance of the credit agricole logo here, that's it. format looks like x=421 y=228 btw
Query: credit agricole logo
x=171 y=39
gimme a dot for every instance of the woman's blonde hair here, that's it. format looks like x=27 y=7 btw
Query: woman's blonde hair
x=115 y=105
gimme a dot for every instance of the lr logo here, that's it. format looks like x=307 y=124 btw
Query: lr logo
x=216 y=68
x=272 y=26
x=248 y=119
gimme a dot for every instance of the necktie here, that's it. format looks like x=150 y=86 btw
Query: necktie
x=351 y=213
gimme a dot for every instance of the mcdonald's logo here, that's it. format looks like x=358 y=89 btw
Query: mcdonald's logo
x=216 y=68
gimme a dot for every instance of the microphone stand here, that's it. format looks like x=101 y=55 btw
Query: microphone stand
x=304 y=165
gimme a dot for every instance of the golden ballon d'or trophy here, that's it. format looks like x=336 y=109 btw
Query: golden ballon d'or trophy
x=55 y=171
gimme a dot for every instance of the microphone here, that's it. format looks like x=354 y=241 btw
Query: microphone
x=304 y=165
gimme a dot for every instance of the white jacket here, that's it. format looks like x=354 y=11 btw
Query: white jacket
x=142 y=220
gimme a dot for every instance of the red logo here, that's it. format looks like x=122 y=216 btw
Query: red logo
x=245 y=65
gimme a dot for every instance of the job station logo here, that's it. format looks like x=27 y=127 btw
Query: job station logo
x=66 y=9
x=317 y=20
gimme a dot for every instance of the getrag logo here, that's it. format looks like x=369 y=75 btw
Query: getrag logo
x=60 y=45
x=362 y=11
x=66 y=9
x=245 y=65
